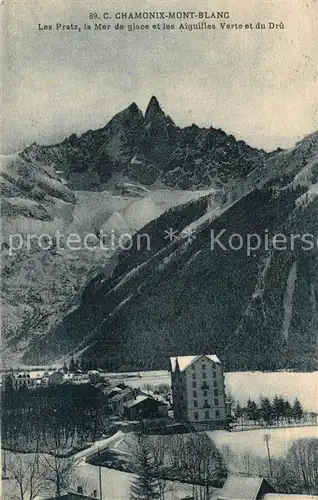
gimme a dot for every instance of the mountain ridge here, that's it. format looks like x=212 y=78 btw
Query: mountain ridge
x=141 y=172
x=149 y=148
x=182 y=297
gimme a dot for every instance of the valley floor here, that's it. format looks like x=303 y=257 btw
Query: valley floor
x=241 y=449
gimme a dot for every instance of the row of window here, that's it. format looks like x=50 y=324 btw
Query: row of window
x=206 y=415
x=203 y=375
x=214 y=381
x=203 y=366
x=206 y=403
x=205 y=392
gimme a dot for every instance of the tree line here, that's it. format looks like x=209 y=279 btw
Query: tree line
x=270 y=412
x=191 y=458
x=54 y=416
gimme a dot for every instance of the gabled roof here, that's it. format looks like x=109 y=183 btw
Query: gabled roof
x=121 y=394
x=110 y=389
x=141 y=398
x=185 y=361
x=243 y=488
x=133 y=402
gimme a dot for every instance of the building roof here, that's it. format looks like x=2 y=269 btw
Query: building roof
x=139 y=399
x=287 y=496
x=121 y=394
x=242 y=488
x=185 y=361
x=70 y=495
x=109 y=390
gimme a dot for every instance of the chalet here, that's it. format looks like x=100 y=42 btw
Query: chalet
x=142 y=406
x=111 y=391
x=117 y=401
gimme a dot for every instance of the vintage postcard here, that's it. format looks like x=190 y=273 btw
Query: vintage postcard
x=159 y=249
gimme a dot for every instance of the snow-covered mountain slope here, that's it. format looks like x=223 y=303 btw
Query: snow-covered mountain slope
x=113 y=180
x=256 y=307
x=40 y=286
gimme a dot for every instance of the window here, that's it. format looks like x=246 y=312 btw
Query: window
x=214 y=383
x=217 y=414
x=216 y=392
x=194 y=394
x=196 y=416
x=195 y=403
x=203 y=367
x=205 y=393
x=207 y=414
x=193 y=375
x=206 y=404
x=194 y=385
x=214 y=374
x=203 y=375
x=216 y=402
x=193 y=367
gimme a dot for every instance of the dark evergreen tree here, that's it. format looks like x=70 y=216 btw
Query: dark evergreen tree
x=298 y=411
x=278 y=408
x=72 y=366
x=266 y=410
x=252 y=410
x=8 y=383
x=287 y=411
x=145 y=486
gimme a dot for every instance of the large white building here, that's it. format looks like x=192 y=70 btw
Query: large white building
x=198 y=390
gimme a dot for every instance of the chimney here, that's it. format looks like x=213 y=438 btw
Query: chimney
x=80 y=489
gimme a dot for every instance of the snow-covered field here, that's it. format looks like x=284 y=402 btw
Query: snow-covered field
x=253 y=441
x=103 y=210
x=242 y=385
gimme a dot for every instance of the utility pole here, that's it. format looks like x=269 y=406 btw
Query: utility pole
x=100 y=477
x=267 y=439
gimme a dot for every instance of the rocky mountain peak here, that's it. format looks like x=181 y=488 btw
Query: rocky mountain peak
x=189 y=157
x=133 y=108
x=153 y=109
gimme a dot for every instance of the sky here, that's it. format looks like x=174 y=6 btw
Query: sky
x=259 y=85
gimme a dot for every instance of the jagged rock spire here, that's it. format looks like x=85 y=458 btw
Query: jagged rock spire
x=153 y=109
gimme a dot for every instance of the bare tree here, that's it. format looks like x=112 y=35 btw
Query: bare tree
x=228 y=456
x=157 y=448
x=148 y=388
x=57 y=472
x=26 y=470
x=303 y=461
x=204 y=465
